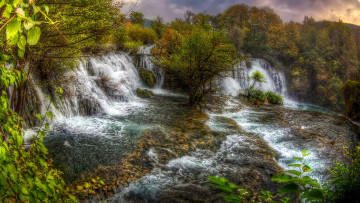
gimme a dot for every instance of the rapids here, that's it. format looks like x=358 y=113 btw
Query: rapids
x=102 y=124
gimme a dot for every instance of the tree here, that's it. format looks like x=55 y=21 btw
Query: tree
x=200 y=58
x=257 y=78
x=137 y=18
x=158 y=26
x=237 y=15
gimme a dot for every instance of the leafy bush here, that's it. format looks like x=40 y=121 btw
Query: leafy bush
x=346 y=180
x=132 y=46
x=138 y=33
x=273 y=98
x=256 y=96
x=297 y=183
x=120 y=37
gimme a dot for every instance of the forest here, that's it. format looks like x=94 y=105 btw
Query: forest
x=100 y=104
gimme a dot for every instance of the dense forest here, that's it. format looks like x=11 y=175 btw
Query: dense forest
x=44 y=41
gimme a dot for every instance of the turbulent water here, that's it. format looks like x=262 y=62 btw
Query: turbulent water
x=102 y=119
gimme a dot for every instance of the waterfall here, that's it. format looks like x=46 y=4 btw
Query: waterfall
x=101 y=85
x=144 y=61
x=239 y=80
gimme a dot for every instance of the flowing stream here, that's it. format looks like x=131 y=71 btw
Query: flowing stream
x=103 y=119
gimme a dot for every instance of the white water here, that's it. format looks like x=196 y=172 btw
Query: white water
x=239 y=81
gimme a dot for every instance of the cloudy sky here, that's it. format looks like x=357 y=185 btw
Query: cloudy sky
x=347 y=10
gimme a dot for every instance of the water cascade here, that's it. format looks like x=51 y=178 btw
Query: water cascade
x=239 y=81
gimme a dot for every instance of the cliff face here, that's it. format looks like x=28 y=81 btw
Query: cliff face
x=351 y=91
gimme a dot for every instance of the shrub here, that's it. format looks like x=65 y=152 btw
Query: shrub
x=273 y=98
x=139 y=33
x=120 y=37
x=256 y=96
x=132 y=46
x=345 y=180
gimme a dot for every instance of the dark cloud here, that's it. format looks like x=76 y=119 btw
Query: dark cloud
x=347 y=10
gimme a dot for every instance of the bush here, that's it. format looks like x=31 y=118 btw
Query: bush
x=120 y=37
x=256 y=96
x=346 y=180
x=139 y=33
x=132 y=46
x=273 y=98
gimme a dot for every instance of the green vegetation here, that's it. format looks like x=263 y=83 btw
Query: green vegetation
x=351 y=91
x=273 y=98
x=297 y=183
x=345 y=180
x=137 y=18
x=26 y=174
x=195 y=59
x=130 y=38
x=147 y=77
x=256 y=96
x=144 y=93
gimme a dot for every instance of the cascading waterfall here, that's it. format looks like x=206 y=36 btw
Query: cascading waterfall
x=146 y=63
x=239 y=79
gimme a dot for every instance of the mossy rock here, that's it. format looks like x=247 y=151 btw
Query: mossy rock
x=351 y=91
x=148 y=77
x=144 y=93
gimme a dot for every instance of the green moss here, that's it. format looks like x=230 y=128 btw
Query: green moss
x=147 y=77
x=351 y=91
x=144 y=93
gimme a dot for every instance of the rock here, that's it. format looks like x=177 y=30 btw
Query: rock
x=144 y=93
x=148 y=77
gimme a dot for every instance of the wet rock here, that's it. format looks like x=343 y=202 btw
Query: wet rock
x=220 y=104
x=144 y=93
x=89 y=107
x=148 y=77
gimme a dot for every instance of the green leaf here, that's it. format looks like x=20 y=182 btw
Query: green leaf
x=7 y=11
x=21 y=53
x=22 y=42
x=313 y=194
x=12 y=28
x=42 y=133
x=33 y=35
x=46 y=9
x=38 y=116
x=14 y=40
x=292 y=187
x=2 y=3
x=28 y=25
x=19 y=140
x=298 y=158
x=47 y=127
x=297 y=173
x=2 y=153
x=15 y=3
x=50 y=115
x=24 y=190
x=294 y=165
x=41 y=195
x=282 y=178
